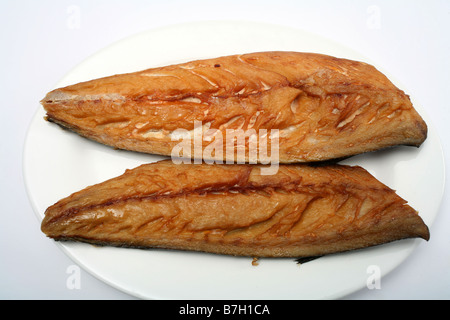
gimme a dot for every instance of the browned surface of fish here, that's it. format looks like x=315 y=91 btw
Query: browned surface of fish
x=323 y=107
x=232 y=209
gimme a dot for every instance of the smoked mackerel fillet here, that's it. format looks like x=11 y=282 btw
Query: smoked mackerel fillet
x=300 y=211
x=319 y=107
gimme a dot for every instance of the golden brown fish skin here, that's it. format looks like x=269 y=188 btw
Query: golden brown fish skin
x=233 y=209
x=324 y=107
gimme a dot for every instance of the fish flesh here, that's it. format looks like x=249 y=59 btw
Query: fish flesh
x=313 y=107
x=301 y=211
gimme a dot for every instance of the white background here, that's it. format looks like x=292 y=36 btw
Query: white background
x=41 y=41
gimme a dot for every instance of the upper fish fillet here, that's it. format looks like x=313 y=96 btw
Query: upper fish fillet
x=323 y=107
x=232 y=209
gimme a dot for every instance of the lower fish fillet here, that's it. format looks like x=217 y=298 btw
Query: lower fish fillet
x=301 y=211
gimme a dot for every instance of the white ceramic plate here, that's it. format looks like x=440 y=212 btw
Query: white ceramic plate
x=58 y=163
